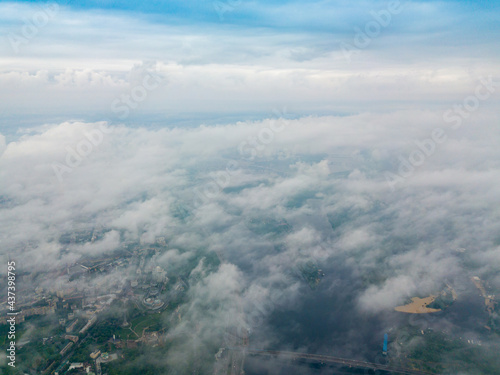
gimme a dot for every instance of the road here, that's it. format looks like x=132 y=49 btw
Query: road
x=342 y=361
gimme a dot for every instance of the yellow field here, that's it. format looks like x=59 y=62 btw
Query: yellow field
x=418 y=306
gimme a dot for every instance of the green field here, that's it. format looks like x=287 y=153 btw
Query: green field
x=138 y=324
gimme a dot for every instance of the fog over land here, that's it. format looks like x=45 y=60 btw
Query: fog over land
x=326 y=177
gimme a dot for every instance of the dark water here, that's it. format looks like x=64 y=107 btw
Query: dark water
x=324 y=321
x=327 y=321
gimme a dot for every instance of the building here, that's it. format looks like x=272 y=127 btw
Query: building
x=72 y=338
x=95 y=354
x=71 y=327
x=66 y=348
x=44 y=310
x=88 y=325
x=75 y=365
x=160 y=275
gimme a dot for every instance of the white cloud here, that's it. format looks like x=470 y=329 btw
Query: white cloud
x=139 y=184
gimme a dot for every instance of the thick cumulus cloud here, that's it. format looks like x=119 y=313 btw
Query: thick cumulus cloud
x=269 y=198
x=130 y=180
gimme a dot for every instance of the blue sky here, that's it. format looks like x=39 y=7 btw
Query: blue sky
x=329 y=17
x=280 y=14
x=259 y=56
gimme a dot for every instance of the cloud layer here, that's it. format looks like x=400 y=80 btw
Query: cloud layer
x=377 y=246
